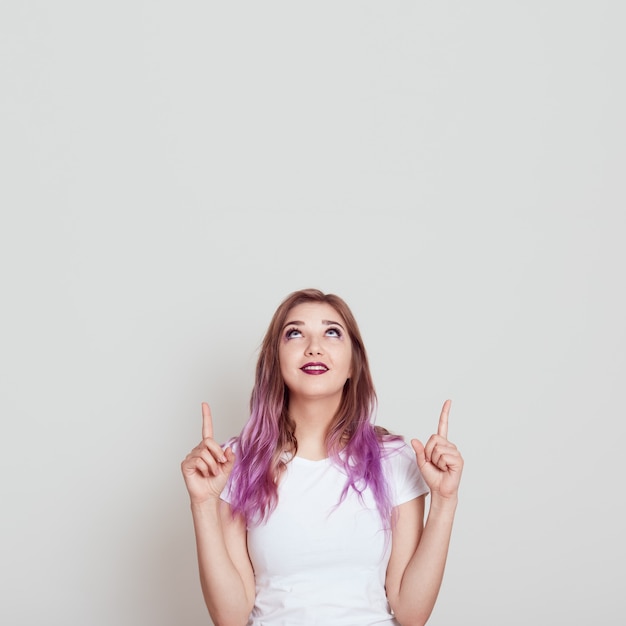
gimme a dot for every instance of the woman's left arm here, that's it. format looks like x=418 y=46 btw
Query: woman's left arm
x=419 y=552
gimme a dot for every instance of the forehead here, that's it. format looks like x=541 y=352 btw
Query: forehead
x=314 y=312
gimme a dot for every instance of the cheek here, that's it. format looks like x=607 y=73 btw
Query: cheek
x=346 y=360
x=351 y=367
x=285 y=357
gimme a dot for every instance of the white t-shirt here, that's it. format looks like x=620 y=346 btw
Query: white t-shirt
x=318 y=563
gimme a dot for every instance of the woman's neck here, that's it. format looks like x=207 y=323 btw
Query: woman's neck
x=312 y=419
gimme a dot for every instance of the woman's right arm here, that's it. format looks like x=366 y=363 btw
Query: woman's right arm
x=226 y=574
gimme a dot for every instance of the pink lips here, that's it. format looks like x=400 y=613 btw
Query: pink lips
x=314 y=369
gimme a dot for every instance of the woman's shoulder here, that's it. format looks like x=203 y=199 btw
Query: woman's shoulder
x=394 y=450
x=233 y=444
x=400 y=466
x=391 y=444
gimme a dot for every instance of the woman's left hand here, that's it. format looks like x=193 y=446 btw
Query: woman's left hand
x=439 y=461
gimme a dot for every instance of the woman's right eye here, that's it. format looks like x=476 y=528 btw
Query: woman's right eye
x=293 y=333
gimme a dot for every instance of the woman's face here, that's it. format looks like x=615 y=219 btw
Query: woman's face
x=315 y=351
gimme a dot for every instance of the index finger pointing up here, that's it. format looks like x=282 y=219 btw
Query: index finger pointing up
x=207 y=421
x=442 y=430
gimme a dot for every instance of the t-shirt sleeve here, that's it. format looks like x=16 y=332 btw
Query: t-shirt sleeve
x=405 y=479
x=226 y=495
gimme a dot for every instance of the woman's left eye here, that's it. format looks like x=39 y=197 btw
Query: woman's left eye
x=333 y=332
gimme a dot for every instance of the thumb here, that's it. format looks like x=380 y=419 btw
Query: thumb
x=418 y=446
x=230 y=460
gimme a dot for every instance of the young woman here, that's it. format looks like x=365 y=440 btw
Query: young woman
x=313 y=515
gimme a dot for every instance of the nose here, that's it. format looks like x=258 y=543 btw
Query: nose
x=313 y=348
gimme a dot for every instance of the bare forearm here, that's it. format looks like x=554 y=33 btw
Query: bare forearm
x=223 y=588
x=424 y=573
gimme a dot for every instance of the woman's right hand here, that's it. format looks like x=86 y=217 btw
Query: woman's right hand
x=207 y=467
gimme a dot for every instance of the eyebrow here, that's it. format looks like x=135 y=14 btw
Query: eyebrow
x=301 y=323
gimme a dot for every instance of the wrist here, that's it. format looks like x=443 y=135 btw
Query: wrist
x=203 y=505
x=443 y=504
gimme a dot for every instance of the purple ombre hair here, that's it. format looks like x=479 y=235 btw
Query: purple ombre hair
x=353 y=441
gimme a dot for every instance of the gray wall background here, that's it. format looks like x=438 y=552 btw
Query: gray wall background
x=171 y=170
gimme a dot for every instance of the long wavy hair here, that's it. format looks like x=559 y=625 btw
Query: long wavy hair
x=353 y=441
